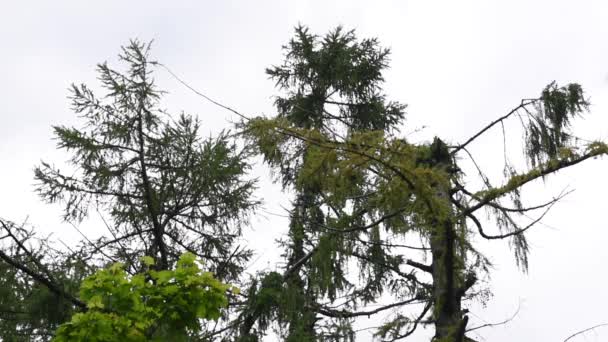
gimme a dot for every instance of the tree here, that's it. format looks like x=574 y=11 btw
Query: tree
x=374 y=214
x=37 y=283
x=336 y=70
x=364 y=194
x=165 y=189
x=160 y=189
x=151 y=306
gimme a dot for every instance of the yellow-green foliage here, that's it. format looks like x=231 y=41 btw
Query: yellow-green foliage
x=370 y=159
x=567 y=156
x=597 y=148
x=152 y=306
x=266 y=138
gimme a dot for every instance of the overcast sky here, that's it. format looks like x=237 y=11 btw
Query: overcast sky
x=457 y=64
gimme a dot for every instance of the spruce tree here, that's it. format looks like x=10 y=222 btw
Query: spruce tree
x=332 y=86
x=400 y=215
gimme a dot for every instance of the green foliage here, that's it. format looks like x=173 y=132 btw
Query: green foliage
x=341 y=170
x=547 y=130
x=151 y=306
x=565 y=157
x=315 y=69
x=362 y=193
x=165 y=189
x=29 y=311
x=333 y=123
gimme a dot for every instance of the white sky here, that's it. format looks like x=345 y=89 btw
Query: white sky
x=458 y=64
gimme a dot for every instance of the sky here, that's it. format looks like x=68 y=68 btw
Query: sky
x=457 y=64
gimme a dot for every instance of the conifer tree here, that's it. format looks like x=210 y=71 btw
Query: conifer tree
x=386 y=216
x=159 y=187
x=332 y=86
x=166 y=190
x=38 y=283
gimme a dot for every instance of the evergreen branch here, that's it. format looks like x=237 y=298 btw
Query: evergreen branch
x=409 y=276
x=384 y=244
x=351 y=314
x=21 y=246
x=296 y=265
x=92 y=244
x=357 y=228
x=98 y=247
x=190 y=249
x=54 y=182
x=519 y=180
x=420 y=266
x=506 y=235
x=500 y=207
x=53 y=287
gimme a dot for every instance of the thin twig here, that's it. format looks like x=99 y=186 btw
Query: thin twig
x=584 y=331
x=198 y=92
x=487 y=325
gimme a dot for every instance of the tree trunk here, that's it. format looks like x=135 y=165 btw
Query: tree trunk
x=450 y=321
x=301 y=324
x=448 y=278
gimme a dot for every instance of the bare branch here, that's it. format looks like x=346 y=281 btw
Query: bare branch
x=199 y=93
x=523 y=104
x=488 y=325
x=416 y=322
x=585 y=330
x=350 y=314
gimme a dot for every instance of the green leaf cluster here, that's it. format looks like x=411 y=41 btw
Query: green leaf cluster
x=151 y=306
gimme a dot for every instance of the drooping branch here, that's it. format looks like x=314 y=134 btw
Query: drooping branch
x=409 y=276
x=521 y=210
x=516 y=231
